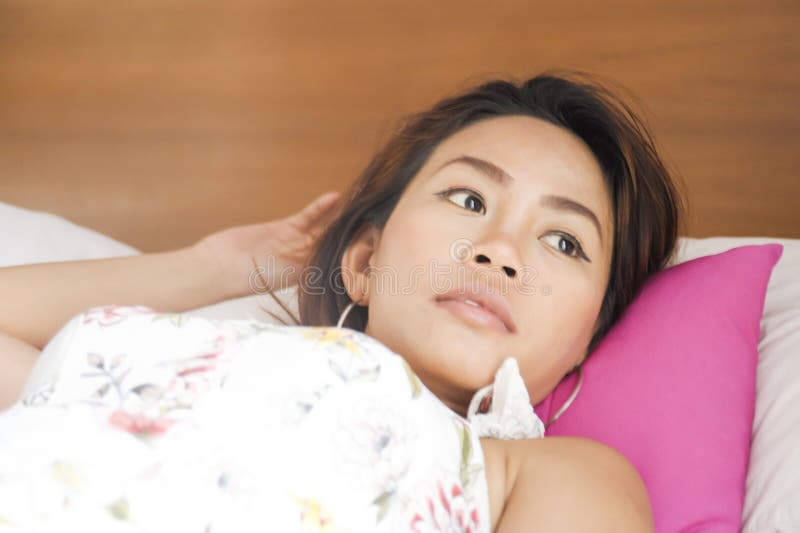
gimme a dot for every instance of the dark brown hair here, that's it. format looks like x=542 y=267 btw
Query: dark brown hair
x=647 y=208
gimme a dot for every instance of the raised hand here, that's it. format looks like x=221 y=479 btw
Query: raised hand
x=269 y=255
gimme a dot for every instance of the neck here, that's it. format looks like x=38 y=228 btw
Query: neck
x=456 y=399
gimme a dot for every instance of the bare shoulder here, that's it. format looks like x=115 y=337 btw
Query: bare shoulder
x=564 y=484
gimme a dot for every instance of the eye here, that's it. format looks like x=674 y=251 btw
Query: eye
x=569 y=245
x=474 y=202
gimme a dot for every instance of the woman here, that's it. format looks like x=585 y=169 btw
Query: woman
x=544 y=202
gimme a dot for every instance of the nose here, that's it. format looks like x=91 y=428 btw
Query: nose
x=499 y=252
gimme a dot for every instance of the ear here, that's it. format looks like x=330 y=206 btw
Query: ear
x=357 y=262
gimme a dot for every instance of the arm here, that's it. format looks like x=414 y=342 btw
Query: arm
x=562 y=484
x=38 y=299
x=19 y=358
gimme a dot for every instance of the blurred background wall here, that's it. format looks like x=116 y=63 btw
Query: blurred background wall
x=159 y=121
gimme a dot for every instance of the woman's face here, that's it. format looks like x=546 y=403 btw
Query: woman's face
x=500 y=173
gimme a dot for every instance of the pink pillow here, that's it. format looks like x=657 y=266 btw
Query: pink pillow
x=672 y=387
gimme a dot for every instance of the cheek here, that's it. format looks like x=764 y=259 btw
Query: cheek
x=559 y=327
x=411 y=241
x=400 y=277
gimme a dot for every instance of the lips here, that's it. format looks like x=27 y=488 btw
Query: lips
x=492 y=309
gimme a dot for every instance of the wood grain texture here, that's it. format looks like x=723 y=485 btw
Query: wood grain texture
x=157 y=122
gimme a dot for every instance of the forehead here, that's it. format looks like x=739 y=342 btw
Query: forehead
x=541 y=157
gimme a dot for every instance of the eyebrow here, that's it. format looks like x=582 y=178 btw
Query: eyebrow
x=503 y=178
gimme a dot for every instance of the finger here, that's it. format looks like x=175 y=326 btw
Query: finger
x=323 y=222
x=331 y=211
x=315 y=211
x=316 y=231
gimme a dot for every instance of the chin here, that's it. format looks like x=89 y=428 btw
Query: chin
x=468 y=361
x=464 y=355
x=478 y=339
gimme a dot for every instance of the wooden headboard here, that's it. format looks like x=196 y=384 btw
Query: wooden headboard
x=159 y=121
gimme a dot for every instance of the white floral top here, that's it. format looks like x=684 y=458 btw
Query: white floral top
x=135 y=420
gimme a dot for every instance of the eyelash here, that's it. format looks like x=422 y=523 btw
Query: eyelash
x=580 y=254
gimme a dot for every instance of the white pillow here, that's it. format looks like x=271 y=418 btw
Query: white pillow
x=773 y=477
x=29 y=236
x=255 y=307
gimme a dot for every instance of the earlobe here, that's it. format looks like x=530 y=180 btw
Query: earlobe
x=357 y=264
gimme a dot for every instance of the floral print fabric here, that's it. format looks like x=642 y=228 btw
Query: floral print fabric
x=163 y=422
